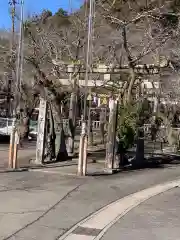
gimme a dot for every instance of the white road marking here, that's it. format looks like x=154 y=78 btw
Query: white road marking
x=79 y=237
x=107 y=216
x=52 y=171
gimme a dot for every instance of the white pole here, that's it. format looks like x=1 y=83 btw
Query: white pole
x=14 y=144
x=41 y=131
x=20 y=56
x=84 y=122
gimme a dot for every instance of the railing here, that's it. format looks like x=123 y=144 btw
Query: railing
x=147 y=127
x=95 y=124
x=6 y=126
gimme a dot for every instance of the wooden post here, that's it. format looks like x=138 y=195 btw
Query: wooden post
x=90 y=130
x=80 y=162
x=85 y=155
x=110 y=146
x=155 y=109
x=72 y=113
x=103 y=116
x=11 y=146
x=139 y=159
x=72 y=124
x=81 y=149
x=16 y=146
x=41 y=131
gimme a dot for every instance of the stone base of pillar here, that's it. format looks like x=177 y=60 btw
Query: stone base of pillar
x=71 y=155
x=111 y=171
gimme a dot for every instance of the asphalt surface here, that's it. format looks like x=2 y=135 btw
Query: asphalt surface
x=157 y=218
x=44 y=205
x=28 y=145
x=38 y=205
x=25 y=154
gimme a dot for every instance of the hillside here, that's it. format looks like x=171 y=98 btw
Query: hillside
x=4 y=54
x=158 y=31
x=152 y=32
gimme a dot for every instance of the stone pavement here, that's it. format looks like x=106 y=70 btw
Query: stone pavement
x=45 y=205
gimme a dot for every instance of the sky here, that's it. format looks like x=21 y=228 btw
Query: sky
x=35 y=6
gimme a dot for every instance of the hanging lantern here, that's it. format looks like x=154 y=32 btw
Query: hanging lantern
x=104 y=101
x=89 y=97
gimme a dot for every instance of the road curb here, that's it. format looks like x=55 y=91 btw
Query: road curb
x=14 y=170
x=95 y=226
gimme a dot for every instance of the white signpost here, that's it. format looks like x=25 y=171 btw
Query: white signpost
x=41 y=131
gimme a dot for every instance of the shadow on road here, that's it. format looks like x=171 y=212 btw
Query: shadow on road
x=4 y=139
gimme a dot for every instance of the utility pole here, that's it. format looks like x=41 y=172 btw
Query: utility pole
x=72 y=105
x=111 y=138
x=82 y=164
x=14 y=141
x=72 y=112
x=12 y=4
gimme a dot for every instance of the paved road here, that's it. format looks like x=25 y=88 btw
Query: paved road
x=25 y=154
x=38 y=205
x=29 y=145
x=98 y=225
x=28 y=152
x=157 y=218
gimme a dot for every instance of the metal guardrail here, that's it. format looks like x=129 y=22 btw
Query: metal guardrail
x=95 y=124
x=147 y=127
x=6 y=126
x=34 y=126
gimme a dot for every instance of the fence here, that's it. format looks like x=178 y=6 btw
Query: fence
x=95 y=124
x=34 y=125
x=164 y=142
x=6 y=126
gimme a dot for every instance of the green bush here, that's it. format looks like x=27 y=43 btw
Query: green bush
x=130 y=119
x=127 y=125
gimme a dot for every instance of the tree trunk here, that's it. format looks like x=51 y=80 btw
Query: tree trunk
x=131 y=84
x=90 y=130
x=72 y=124
x=102 y=131
x=61 y=152
x=102 y=124
x=130 y=63
x=51 y=137
x=23 y=130
x=26 y=117
x=110 y=146
x=139 y=158
x=41 y=132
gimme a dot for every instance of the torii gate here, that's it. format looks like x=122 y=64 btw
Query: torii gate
x=106 y=71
